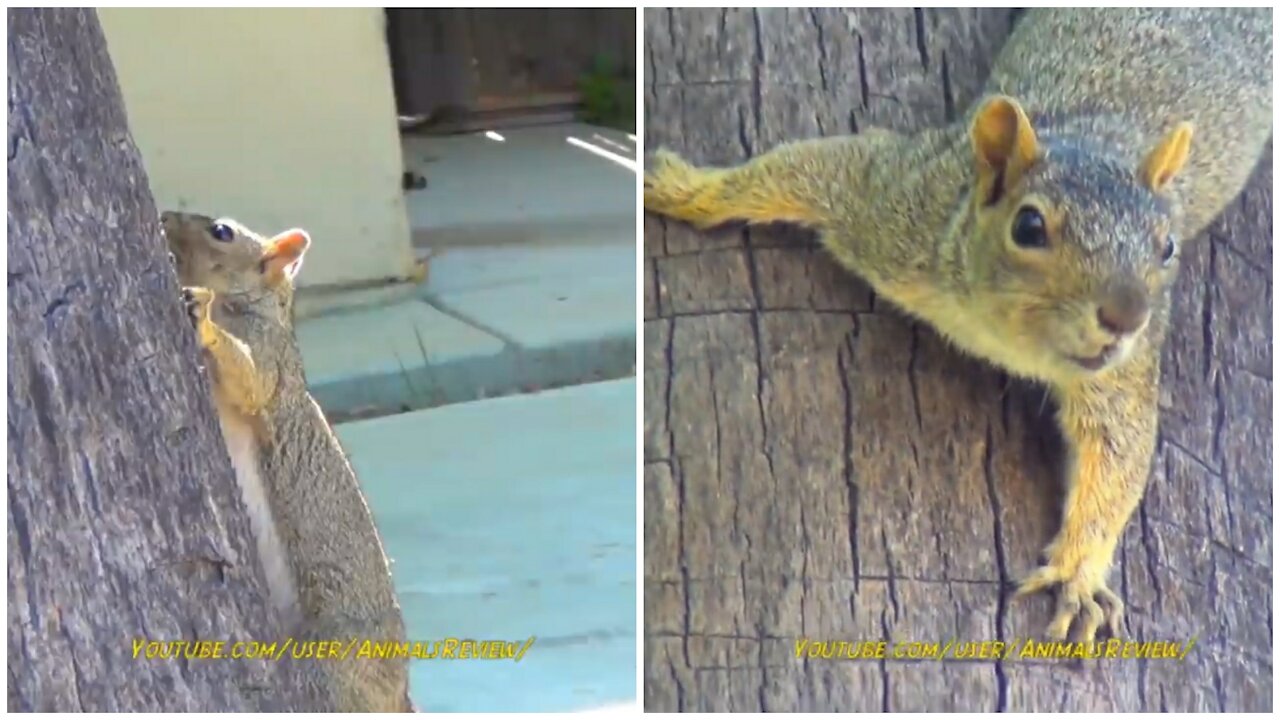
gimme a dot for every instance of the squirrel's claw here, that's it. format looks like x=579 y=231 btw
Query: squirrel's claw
x=1113 y=606
x=196 y=300
x=1080 y=595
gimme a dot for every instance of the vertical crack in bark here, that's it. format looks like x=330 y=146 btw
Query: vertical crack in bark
x=680 y=701
x=669 y=357
x=1220 y=455
x=1124 y=585
x=76 y=675
x=1212 y=592
x=723 y=29
x=743 y=138
x=1152 y=555
x=822 y=48
x=764 y=680
x=884 y=628
x=848 y=459
x=757 y=95
x=1218 y=692
x=1006 y=384
x=650 y=56
x=682 y=495
x=1215 y=374
x=715 y=417
x=1002 y=573
x=920 y=44
x=676 y=60
x=1207 y=311
x=16 y=127
x=766 y=448
x=911 y=382
x=862 y=72
x=20 y=532
x=890 y=573
x=15 y=139
x=948 y=93
x=884 y=682
x=655 y=288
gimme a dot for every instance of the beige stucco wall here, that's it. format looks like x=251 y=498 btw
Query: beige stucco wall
x=278 y=118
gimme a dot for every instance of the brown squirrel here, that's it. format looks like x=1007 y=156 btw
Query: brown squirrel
x=1042 y=232
x=327 y=574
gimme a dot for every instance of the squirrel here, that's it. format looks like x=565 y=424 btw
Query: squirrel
x=327 y=574
x=1040 y=232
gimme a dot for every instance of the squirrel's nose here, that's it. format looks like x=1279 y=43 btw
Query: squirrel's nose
x=1124 y=309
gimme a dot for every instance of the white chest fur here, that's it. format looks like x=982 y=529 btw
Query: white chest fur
x=243 y=449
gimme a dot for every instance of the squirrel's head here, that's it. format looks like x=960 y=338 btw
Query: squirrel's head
x=233 y=261
x=1078 y=249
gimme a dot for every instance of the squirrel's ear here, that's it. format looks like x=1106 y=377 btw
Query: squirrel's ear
x=1003 y=142
x=283 y=258
x=1162 y=163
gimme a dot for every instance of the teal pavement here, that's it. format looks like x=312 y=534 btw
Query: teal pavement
x=510 y=518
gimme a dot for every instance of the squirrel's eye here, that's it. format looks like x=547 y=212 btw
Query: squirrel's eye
x=222 y=233
x=1029 y=229
x=1170 y=249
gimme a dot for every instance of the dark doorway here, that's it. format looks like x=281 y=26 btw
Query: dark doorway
x=462 y=69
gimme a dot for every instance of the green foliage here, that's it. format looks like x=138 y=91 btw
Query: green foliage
x=609 y=97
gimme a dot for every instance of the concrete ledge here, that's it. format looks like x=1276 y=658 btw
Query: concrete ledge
x=567 y=311
x=411 y=356
x=395 y=357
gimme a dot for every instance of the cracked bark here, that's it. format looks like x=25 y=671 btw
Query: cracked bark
x=873 y=483
x=124 y=521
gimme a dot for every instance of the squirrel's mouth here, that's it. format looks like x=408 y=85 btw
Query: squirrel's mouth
x=1099 y=361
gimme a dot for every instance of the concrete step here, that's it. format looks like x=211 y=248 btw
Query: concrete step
x=490 y=321
x=506 y=519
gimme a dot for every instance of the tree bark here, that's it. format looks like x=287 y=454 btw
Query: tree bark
x=124 y=520
x=817 y=466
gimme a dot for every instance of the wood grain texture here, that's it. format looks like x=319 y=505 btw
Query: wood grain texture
x=817 y=466
x=124 y=520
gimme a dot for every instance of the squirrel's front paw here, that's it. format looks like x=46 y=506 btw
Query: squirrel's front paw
x=197 y=300
x=1082 y=592
x=671 y=187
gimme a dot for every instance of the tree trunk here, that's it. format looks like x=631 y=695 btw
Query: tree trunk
x=124 y=520
x=817 y=466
